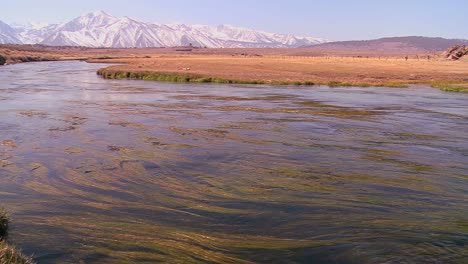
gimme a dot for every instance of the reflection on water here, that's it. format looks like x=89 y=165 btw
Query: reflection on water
x=124 y=171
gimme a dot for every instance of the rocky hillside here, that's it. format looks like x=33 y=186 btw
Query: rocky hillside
x=456 y=52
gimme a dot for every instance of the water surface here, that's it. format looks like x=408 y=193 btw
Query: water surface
x=105 y=171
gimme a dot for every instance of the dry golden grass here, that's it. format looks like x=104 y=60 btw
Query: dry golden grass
x=11 y=255
x=26 y=53
x=291 y=69
x=276 y=66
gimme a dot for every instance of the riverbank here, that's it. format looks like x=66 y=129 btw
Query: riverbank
x=33 y=53
x=258 y=66
x=9 y=254
x=277 y=70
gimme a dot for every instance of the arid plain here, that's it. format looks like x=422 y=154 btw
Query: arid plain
x=262 y=66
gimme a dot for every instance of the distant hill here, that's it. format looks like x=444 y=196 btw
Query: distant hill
x=392 y=45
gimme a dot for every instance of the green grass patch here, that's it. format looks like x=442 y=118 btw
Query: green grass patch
x=451 y=86
x=339 y=84
x=170 y=77
x=448 y=86
x=348 y=84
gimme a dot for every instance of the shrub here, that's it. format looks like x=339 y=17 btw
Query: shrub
x=3 y=224
x=2 y=60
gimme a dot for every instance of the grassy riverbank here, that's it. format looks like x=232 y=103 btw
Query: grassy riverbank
x=9 y=254
x=331 y=71
x=107 y=73
x=257 y=66
x=451 y=87
x=193 y=78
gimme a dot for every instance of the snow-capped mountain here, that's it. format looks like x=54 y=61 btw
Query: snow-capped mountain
x=99 y=29
x=34 y=34
x=8 y=34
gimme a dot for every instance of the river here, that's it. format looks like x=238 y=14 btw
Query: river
x=106 y=171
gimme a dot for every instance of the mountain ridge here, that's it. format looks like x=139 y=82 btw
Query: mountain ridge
x=100 y=29
x=393 y=44
x=8 y=34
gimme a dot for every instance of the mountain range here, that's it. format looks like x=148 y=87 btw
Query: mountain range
x=99 y=29
x=411 y=44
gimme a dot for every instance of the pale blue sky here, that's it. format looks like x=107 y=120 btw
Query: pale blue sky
x=331 y=19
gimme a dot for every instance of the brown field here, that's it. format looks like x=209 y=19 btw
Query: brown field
x=290 y=69
x=275 y=66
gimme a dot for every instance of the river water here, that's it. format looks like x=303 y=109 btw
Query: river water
x=106 y=171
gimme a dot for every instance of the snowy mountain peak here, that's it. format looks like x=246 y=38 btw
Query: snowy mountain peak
x=100 y=29
x=98 y=13
x=90 y=20
x=37 y=25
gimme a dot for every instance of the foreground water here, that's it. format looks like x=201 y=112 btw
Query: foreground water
x=104 y=171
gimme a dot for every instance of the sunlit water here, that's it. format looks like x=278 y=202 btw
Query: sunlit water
x=105 y=171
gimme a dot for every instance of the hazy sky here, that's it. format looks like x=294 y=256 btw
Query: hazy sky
x=331 y=19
